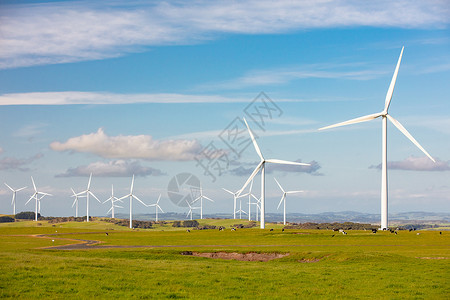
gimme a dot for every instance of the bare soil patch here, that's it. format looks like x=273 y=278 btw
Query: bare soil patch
x=251 y=256
x=433 y=257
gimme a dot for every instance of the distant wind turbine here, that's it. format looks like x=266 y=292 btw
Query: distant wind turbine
x=75 y=202
x=36 y=197
x=157 y=207
x=261 y=166
x=113 y=199
x=385 y=116
x=13 y=202
x=88 y=192
x=283 y=199
x=131 y=195
x=240 y=211
x=191 y=208
x=201 y=201
x=235 y=197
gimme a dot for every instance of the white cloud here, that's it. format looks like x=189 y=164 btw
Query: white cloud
x=35 y=34
x=417 y=164
x=29 y=131
x=115 y=168
x=74 y=97
x=139 y=146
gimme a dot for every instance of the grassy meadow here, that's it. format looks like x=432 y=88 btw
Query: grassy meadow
x=320 y=264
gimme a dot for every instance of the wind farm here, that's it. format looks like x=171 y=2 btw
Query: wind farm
x=232 y=120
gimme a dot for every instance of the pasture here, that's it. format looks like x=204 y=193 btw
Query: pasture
x=149 y=264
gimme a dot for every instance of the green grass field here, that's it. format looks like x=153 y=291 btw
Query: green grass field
x=319 y=265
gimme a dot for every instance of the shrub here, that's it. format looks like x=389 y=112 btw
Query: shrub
x=26 y=215
x=6 y=219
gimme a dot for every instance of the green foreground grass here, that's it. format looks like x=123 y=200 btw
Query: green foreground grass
x=320 y=265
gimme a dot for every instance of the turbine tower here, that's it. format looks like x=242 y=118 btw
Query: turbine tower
x=112 y=199
x=261 y=166
x=13 y=202
x=131 y=195
x=385 y=116
x=283 y=199
x=201 y=201
x=36 y=197
x=88 y=192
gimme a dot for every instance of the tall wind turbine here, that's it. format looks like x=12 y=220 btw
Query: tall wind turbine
x=13 y=202
x=261 y=166
x=201 y=201
x=36 y=197
x=88 y=192
x=385 y=116
x=75 y=202
x=113 y=199
x=131 y=195
x=157 y=207
x=283 y=199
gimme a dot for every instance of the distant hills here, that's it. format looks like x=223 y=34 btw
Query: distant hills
x=325 y=217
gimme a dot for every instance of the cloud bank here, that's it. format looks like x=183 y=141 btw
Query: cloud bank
x=417 y=164
x=130 y=147
x=115 y=168
x=64 y=32
x=12 y=163
x=246 y=169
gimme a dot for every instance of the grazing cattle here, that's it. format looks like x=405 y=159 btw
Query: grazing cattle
x=374 y=231
x=282 y=229
x=440 y=232
x=106 y=233
x=395 y=232
x=233 y=229
x=332 y=235
x=343 y=232
x=335 y=229
x=187 y=230
x=271 y=229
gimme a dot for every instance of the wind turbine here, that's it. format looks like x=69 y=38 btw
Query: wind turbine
x=201 y=201
x=283 y=199
x=261 y=166
x=240 y=211
x=88 y=192
x=385 y=116
x=112 y=199
x=13 y=202
x=157 y=207
x=75 y=202
x=36 y=197
x=131 y=195
x=235 y=197
x=190 y=209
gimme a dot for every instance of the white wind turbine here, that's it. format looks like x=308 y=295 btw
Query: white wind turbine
x=261 y=166
x=157 y=207
x=36 y=197
x=283 y=199
x=131 y=195
x=190 y=209
x=112 y=199
x=235 y=197
x=201 y=201
x=384 y=114
x=13 y=202
x=75 y=202
x=88 y=192
x=240 y=211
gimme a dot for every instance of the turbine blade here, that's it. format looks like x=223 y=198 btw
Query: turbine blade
x=34 y=185
x=89 y=183
x=75 y=201
x=408 y=135
x=159 y=207
x=109 y=210
x=293 y=192
x=21 y=188
x=92 y=194
x=132 y=184
x=120 y=199
x=354 y=121
x=135 y=197
x=279 y=184
x=258 y=167
x=254 y=141
x=390 y=91
x=118 y=206
x=228 y=191
x=32 y=197
x=74 y=194
x=285 y=162
x=281 y=201
x=208 y=199
x=9 y=187
x=159 y=198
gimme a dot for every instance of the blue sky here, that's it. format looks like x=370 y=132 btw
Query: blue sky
x=143 y=87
